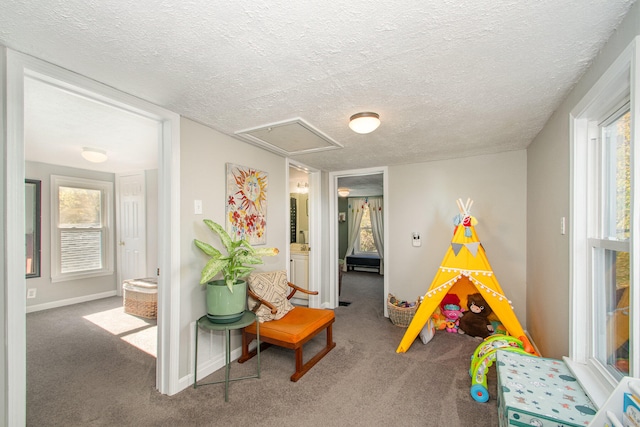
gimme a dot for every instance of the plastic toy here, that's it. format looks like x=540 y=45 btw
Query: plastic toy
x=483 y=359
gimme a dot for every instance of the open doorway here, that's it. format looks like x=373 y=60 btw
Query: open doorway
x=305 y=188
x=93 y=206
x=299 y=245
x=19 y=68
x=351 y=194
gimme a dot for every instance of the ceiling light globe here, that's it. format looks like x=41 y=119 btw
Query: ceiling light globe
x=364 y=122
x=94 y=155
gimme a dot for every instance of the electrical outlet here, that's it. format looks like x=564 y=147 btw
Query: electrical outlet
x=415 y=239
x=31 y=293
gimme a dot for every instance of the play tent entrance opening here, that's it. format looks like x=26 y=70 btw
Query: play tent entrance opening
x=465 y=270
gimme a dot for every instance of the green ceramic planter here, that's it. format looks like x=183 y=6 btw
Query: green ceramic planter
x=224 y=306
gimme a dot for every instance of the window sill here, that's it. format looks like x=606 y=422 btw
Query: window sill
x=79 y=276
x=597 y=387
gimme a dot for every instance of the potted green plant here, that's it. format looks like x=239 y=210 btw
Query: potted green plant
x=227 y=298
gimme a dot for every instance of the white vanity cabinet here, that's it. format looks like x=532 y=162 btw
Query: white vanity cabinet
x=300 y=272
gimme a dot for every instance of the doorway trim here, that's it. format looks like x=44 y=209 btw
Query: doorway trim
x=18 y=66
x=315 y=236
x=333 y=228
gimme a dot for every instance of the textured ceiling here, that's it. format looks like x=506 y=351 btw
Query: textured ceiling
x=59 y=124
x=449 y=78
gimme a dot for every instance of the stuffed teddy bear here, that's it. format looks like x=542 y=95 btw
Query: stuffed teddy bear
x=475 y=321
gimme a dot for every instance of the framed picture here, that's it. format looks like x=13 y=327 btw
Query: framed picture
x=342 y=217
x=246 y=205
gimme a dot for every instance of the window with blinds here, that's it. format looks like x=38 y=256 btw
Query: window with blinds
x=81 y=236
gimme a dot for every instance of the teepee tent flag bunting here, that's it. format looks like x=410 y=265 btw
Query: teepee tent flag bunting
x=465 y=270
x=473 y=247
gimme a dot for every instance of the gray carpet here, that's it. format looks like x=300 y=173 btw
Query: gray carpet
x=79 y=374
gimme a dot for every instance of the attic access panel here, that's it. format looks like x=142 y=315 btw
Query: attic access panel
x=289 y=138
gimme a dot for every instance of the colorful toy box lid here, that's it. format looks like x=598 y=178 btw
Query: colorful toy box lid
x=534 y=391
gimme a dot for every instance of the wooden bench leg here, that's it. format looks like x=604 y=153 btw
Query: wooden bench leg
x=246 y=354
x=301 y=368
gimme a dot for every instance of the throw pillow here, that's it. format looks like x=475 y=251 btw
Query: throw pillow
x=273 y=287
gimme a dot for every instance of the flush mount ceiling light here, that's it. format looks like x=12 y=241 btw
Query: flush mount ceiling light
x=94 y=155
x=343 y=192
x=364 y=122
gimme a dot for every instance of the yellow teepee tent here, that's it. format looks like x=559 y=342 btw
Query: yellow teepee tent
x=465 y=270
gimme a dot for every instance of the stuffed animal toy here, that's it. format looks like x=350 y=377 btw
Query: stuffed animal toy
x=438 y=319
x=452 y=315
x=449 y=299
x=475 y=321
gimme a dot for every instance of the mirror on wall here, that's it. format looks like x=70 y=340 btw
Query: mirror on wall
x=299 y=205
x=32 y=227
x=299 y=217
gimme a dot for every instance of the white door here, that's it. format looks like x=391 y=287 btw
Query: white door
x=132 y=234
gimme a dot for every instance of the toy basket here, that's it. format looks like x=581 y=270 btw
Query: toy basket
x=141 y=297
x=400 y=315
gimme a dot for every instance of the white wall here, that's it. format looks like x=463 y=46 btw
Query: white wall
x=548 y=194
x=4 y=357
x=422 y=197
x=203 y=156
x=49 y=293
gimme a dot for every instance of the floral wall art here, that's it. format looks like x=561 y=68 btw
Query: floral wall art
x=247 y=203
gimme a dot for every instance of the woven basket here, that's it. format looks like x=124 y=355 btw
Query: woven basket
x=400 y=316
x=140 y=301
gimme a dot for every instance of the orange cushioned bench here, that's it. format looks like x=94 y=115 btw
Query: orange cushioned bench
x=293 y=330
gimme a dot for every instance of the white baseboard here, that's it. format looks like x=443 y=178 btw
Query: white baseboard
x=206 y=368
x=69 y=301
x=212 y=355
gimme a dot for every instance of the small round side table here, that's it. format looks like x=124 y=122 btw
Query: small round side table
x=247 y=318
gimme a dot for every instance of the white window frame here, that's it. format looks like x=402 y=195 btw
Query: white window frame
x=356 y=246
x=618 y=84
x=106 y=188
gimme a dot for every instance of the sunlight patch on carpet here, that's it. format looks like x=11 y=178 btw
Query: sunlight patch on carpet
x=136 y=331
